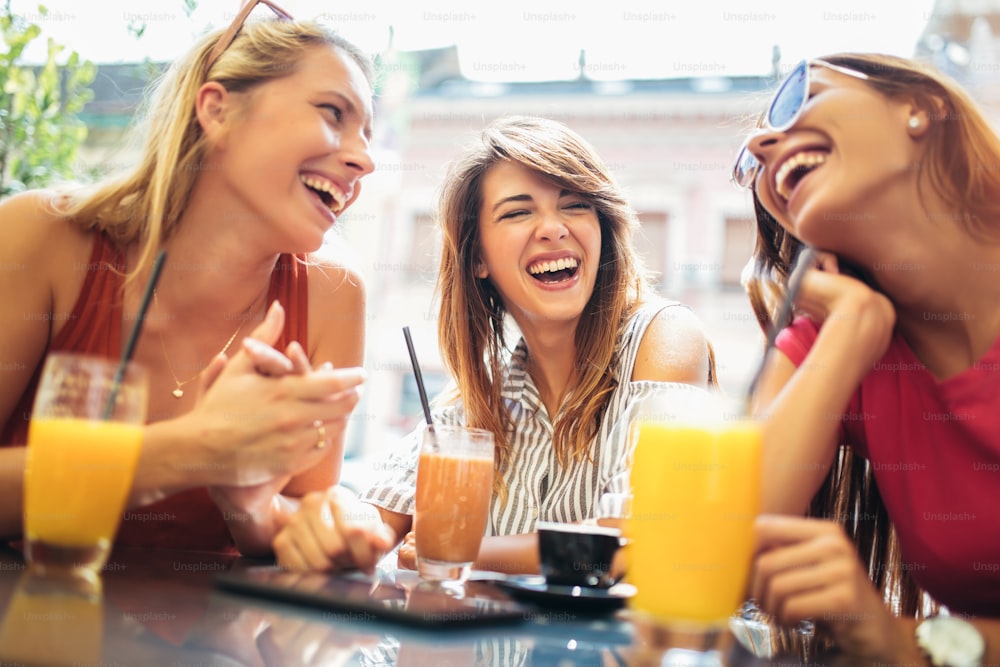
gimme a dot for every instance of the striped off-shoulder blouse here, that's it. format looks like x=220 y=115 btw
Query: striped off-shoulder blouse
x=539 y=488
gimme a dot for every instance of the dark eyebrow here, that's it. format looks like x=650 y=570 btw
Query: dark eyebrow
x=522 y=197
x=526 y=197
x=351 y=109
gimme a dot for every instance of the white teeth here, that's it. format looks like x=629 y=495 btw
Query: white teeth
x=326 y=186
x=803 y=159
x=549 y=266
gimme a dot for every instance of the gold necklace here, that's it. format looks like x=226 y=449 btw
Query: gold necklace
x=178 y=391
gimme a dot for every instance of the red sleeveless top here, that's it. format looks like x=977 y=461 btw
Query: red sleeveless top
x=187 y=520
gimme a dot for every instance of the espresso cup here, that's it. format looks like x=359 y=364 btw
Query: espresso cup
x=576 y=554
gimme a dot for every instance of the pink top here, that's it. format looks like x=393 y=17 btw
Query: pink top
x=187 y=520
x=935 y=450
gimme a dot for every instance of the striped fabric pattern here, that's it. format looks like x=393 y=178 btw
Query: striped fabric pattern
x=539 y=488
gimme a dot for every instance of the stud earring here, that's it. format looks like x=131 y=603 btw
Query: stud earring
x=913 y=123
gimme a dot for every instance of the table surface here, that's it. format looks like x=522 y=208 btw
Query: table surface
x=165 y=608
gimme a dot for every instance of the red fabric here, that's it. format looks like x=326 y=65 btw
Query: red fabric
x=935 y=450
x=187 y=520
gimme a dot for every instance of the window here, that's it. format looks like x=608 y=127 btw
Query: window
x=425 y=249
x=737 y=248
x=410 y=410
x=651 y=244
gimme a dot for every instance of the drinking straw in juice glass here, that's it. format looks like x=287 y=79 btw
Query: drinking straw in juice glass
x=80 y=465
x=454 y=487
x=695 y=482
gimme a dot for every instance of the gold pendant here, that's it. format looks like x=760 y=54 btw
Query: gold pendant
x=178 y=392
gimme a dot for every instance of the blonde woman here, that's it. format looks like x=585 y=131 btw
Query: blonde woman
x=538 y=235
x=255 y=142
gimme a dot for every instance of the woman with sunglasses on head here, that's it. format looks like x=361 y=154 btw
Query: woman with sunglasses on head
x=255 y=142
x=537 y=237
x=887 y=382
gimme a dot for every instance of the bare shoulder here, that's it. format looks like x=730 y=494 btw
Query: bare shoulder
x=336 y=308
x=45 y=243
x=42 y=257
x=335 y=279
x=30 y=223
x=674 y=348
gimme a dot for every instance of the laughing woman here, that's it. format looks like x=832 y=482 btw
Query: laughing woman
x=536 y=234
x=255 y=142
x=889 y=170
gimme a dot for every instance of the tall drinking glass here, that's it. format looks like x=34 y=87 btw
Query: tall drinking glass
x=80 y=461
x=454 y=488
x=695 y=482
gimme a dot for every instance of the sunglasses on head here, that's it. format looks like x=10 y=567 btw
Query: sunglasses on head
x=783 y=113
x=230 y=34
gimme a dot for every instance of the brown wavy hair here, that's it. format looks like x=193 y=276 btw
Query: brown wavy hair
x=961 y=164
x=471 y=324
x=144 y=203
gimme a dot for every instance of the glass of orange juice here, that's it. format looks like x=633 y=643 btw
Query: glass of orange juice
x=695 y=485
x=81 y=460
x=454 y=488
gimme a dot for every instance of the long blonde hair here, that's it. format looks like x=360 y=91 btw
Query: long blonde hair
x=472 y=315
x=145 y=203
x=961 y=165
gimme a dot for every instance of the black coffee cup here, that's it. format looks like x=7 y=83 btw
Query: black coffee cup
x=576 y=554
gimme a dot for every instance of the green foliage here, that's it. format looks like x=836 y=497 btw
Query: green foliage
x=39 y=128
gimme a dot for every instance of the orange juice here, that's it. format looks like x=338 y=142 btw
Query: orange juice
x=77 y=477
x=695 y=494
x=452 y=506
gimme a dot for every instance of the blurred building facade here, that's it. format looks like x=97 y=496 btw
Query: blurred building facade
x=670 y=143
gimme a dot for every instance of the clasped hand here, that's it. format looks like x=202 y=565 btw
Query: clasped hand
x=290 y=412
x=333 y=530
x=260 y=412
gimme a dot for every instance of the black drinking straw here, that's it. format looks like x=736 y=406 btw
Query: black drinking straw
x=418 y=376
x=806 y=258
x=134 y=335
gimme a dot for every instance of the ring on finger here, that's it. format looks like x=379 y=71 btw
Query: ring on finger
x=321 y=431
